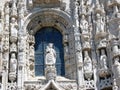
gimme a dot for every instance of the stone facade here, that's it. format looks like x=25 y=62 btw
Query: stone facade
x=91 y=42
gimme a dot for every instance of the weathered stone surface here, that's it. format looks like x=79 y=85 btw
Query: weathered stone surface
x=91 y=43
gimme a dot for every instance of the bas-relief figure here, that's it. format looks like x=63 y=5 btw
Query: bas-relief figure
x=50 y=55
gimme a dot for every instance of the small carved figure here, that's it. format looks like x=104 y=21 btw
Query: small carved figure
x=22 y=44
x=87 y=65
x=13 y=63
x=84 y=25
x=31 y=39
x=31 y=53
x=5 y=45
x=13 y=47
x=103 y=59
x=50 y=55
x=117 y=67
x=99 y=24
x=14 y=27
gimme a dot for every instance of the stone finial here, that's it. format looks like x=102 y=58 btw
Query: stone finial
x=88 y=68
x=14 y=9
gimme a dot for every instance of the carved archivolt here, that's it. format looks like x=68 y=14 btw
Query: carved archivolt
x=47 y=18
x=53 y=18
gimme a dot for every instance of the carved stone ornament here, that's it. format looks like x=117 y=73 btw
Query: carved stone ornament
x=13 y=67
x=14 y=30
x=31 y=39
x=116 y=67
x=84 y=25
x=50 y=55
x=103 y=64
x=13 y=48
x=86 y=45
x=102 y=43
x=79 y=59
x=100 y=26
x=31 y=52
x=88 y=71
x=13 y=63
x=50 y=73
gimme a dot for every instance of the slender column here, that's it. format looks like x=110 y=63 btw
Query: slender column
x=6 y=47
x=21 y=46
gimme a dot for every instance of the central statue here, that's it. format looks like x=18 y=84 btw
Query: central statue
x=50 y=55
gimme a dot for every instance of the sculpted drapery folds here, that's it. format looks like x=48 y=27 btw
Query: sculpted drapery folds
x=50 y=55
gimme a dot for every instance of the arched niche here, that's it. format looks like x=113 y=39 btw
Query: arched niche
x=52 y=18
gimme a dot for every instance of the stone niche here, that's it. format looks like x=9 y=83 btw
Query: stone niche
x=47 y=3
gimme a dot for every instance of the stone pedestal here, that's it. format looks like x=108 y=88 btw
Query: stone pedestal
x=50 y=72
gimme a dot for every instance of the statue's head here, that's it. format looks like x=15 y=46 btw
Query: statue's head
x=98 y=16
x=13 y=55
x=51 y=45
x=83 y=16
x=13 y=19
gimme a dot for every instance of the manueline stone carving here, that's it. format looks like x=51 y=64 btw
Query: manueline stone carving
x=13 y=63
x=87 y=66
x=13 y=48
x=103 y=59
x=84 y=25
x=50 y=55
x=14 y=27
x=31 y=53
x=99 y=24
x=116 y=67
